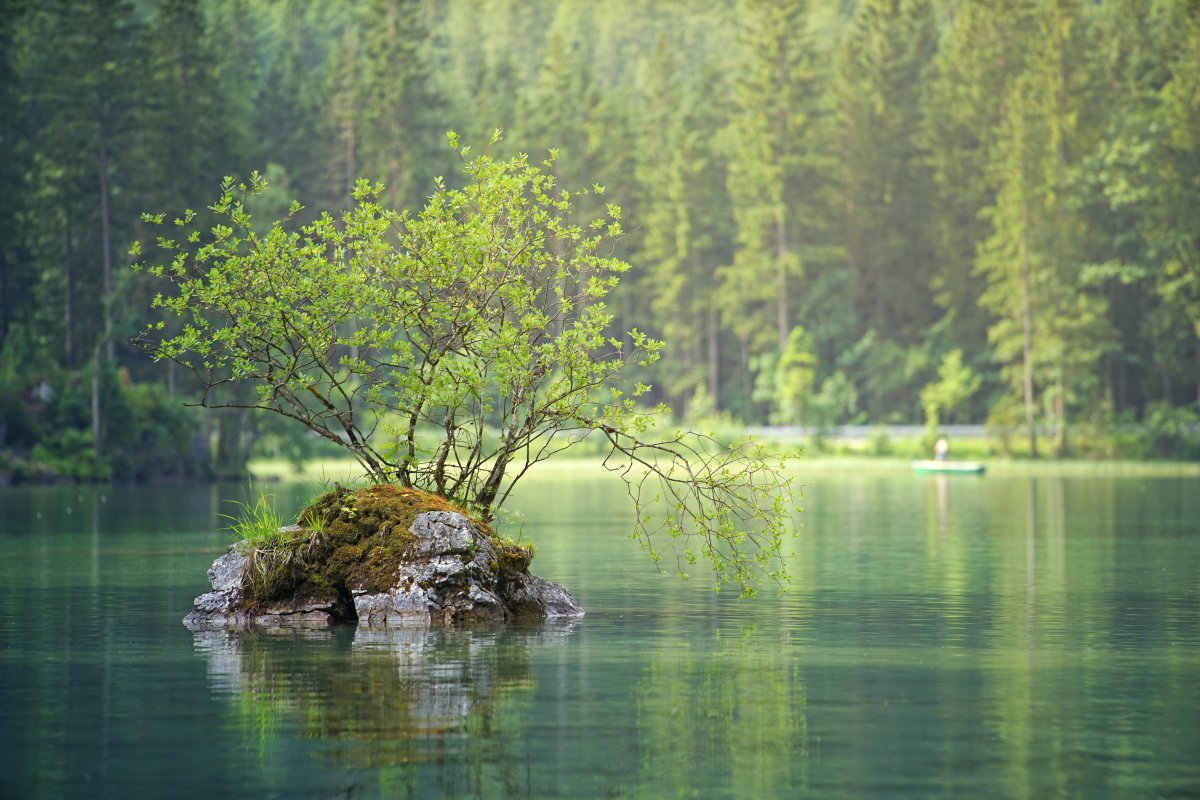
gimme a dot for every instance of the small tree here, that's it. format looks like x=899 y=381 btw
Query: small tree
x=955 y=385
x=454 y=348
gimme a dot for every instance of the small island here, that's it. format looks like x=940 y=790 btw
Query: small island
x=449 y=352
x=380 y=556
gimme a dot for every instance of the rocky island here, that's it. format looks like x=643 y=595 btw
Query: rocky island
x=382 y=556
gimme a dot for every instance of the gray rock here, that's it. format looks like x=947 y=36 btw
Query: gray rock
x=442 y=532
x=449 y=575
x=544 y=597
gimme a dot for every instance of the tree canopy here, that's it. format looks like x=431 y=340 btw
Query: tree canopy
x=454 y=348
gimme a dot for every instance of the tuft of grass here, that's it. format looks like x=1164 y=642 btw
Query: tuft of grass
x=258 y=525
x=312 y=521
x=275 y=554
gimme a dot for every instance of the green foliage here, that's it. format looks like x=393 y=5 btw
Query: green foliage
x=880 y=65
x=895 y=178
x=730 y=506
x=147 y=434
x=836 y=402
x=880 y=443
x=795 y=373
x=779 y=167
x=486 y=309
x=70 y=453
x=452 y=349
x=1174 y=432
x=956 y=383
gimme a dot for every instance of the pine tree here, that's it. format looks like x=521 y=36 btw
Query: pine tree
x=1032 y=259
x=979 y=54
x=779 y=174
x=683 y=222
x=78 y=108
x=886 y=188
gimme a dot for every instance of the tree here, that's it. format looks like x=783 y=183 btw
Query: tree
x=955 y=384
x=886 y=187
x=1032 y=259
x=791 y=379
x=380 y=103
x=978 y=56
x=481 y=348
x=779 y=174
x=684 y=213
x=78 y=107
x=1178 y=284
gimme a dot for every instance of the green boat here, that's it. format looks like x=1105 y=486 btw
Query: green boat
x=956 y=467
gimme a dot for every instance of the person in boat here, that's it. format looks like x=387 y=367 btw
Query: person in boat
x=941 y=448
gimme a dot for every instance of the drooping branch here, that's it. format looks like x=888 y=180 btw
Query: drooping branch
x=695 y=499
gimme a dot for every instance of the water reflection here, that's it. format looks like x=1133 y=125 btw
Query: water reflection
x=747 y=680
x=375 y=697
x=1019 y=636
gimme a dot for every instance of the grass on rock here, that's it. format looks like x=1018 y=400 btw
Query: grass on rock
x=347 y=538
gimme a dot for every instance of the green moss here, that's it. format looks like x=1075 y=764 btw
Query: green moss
x=354 y=538
x=513 y=557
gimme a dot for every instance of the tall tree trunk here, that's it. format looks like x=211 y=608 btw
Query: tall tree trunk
x=97 y=427
x=1196 y=362
x=68 y=293
x=1060 y=172
x=781 y=253
x=351 y=156
x=1027 y=337
x=1060 y=409
x=782 y=79
x=744 y=374
x=3 y=296
x=714 y=357
x=230 y=455
x=106 y=300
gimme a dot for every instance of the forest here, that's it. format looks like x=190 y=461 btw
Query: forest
x=854 y=211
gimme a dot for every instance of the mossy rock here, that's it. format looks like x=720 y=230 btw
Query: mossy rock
x=355 y=538
x=381 y=556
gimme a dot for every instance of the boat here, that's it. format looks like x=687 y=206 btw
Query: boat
x=955 y=467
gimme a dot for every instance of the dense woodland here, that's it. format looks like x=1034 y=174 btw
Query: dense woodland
x=875 y=211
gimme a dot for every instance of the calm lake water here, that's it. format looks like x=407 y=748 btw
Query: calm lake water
x=1021 y=635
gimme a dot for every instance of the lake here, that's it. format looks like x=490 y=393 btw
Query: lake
x=1033 y=633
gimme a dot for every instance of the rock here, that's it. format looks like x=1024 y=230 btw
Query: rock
x=440 y=569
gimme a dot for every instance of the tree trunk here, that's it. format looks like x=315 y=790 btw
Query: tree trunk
x=106 y=245
x=96 y=421
x=351 y=156
x=3 y=296
x=1196 y=362
x=781 y=253
x=1027 y=341
x=1060 y=408
x=714 y=357
x=744 y=374
x=1060 y=172
x=230 y=456
x=68 y=292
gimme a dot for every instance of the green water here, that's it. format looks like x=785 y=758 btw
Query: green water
x=1020 y=635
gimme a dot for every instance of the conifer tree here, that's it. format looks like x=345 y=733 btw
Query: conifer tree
x=683 y=225
x=886 y=181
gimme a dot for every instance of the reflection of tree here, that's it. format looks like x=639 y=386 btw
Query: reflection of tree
x=376 y=698
x=728 y=705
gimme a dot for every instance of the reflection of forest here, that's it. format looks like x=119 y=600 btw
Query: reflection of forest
x=414 y=694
